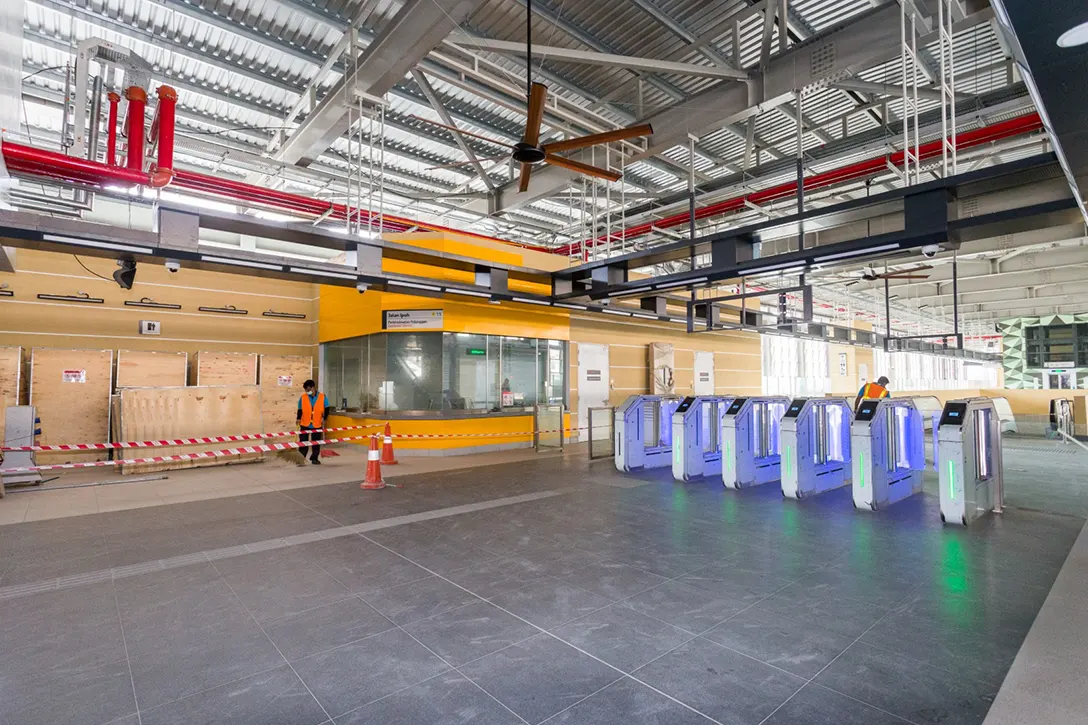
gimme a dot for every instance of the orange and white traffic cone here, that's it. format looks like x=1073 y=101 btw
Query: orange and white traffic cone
x=373 y=481
x=388 y=458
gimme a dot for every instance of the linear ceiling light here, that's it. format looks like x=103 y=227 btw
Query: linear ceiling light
x=468 y=292
x=113 y=246
x=415 y=285
x=228 y=310
x=858 y=252
x=240 y=263
x=285 y=315
x=531 y=302
x=322 y=273
x=73 y=298
x=148 y=302
x=670 y=285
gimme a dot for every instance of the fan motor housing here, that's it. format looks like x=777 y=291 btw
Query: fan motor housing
x=527 y=153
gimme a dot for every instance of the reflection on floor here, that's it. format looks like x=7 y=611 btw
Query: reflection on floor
x=529 y=592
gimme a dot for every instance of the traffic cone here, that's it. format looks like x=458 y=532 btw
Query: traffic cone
x=388 y=459
x=373 y=480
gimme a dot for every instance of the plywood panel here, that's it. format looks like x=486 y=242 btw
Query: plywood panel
x=225 y=368
x=147 y=369
x=189 y=412
x=71 y=389
x=11 y=367
x=281 y=385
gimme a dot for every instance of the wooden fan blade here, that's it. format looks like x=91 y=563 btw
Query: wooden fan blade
x=537 y=96
x=526 y=170
x=642 y=129
x=460 y=130
x=581 y=168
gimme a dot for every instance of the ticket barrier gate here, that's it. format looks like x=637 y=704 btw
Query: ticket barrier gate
x=643 y=431
x=815 y=446
x=751 y=441
x=696 y=436
x=888 y=445
x=1061 y=419
x=970 y=468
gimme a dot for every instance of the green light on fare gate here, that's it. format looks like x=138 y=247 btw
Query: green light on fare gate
x=951 y=481
x=789 y=456
x=475 y=351
x=861 y=469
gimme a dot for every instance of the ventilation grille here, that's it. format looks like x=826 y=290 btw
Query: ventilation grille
x=822 y=59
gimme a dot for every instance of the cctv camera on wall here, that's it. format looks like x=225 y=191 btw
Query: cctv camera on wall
x=930 y=250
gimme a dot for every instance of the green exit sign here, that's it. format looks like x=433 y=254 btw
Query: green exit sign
x=475 y=351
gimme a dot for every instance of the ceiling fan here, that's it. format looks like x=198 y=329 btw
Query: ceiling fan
x=529 y=151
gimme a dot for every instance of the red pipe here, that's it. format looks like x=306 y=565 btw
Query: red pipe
x=137 y=102
x=163 y=129
x=49 y=163
x=111 y=129
x=862 y=169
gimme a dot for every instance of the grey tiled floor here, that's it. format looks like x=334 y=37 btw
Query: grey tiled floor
x=663 y=603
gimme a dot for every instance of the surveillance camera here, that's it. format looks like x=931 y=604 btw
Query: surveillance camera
x=172 y=265
x=362 y=287
x=930 y=250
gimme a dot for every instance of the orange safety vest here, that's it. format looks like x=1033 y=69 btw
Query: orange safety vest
x=312 y=415
x=873 y=390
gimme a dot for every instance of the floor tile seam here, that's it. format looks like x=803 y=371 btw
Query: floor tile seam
x=579 y=702
x=347 y=595
x=270 y=641
x=931 y=665
x=541 y=630
x=128 y=659
x=831 y=662
x=157 y=565
x=867 y=704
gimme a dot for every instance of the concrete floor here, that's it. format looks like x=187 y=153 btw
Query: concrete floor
x=550 y=589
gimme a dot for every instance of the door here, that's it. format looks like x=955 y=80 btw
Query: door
x=1059 y=380
x=704 y=373
x=593 y=381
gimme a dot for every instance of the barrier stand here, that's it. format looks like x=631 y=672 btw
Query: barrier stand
x=373 y=481
x=388 y=458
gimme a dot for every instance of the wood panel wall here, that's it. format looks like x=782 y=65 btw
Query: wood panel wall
x=279 y=397
x=11 y=373
x=737 y=357
x=71 y=411
x=224 y=368
x=29 y=322
x=151 y=368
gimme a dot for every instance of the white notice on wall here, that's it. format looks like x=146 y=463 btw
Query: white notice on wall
x=412 y=320
x=284 y=380
x=73 y=376
x=842 y=364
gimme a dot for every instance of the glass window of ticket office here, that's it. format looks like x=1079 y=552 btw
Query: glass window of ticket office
x=424 y=371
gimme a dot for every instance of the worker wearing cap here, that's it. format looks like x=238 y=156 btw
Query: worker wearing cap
x=879 y=389
x=313 y=409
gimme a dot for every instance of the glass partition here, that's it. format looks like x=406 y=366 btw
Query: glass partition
x=429 y=371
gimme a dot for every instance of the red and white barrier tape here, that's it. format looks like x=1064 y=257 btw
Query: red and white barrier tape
x=260 y=449
x=178 y=441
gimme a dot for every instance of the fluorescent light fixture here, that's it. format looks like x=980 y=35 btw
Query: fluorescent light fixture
x=773 y=268
x=6 y=293
x=616 y=312
x=1077 y=35
x=468 y=293
x=631 y=291
x=228 y=310
x=858 y=252
x=321 y=273
x=570 y=306
x=239 y=263
x=96 y=244
x=681 y=320
x=644 y=315
x=531 y=302
x=416 y=285
x=892 y=297
x=285 y=315
x=73 y=298
x=670 y=285
x=148 y=302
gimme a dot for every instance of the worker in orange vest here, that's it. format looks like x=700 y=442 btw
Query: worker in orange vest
x=313 y=409
x=879 y=389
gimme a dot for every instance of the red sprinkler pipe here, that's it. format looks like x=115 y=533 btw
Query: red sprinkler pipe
x=163 y=170
x=852 y=172
x=137 y=102
x=111 y=129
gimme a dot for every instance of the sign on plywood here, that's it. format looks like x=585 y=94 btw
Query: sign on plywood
x=842 y=364
x=284 y=380
x=412 y=320
x=73 y=376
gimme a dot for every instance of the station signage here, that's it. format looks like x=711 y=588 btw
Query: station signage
x=412 y=320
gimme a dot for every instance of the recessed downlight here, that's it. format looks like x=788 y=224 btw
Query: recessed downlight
x=1077 y=35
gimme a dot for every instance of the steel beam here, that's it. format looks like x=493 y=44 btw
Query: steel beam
x=436 y=104
x=678 y=29
x=587 y=57
x=419 y=27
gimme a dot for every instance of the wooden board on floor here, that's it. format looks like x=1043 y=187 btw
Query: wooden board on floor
x=225 y=368
x=71 y=390
x=149 y=369
x=11 y=368
x=188 y=412
x=282 y=377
